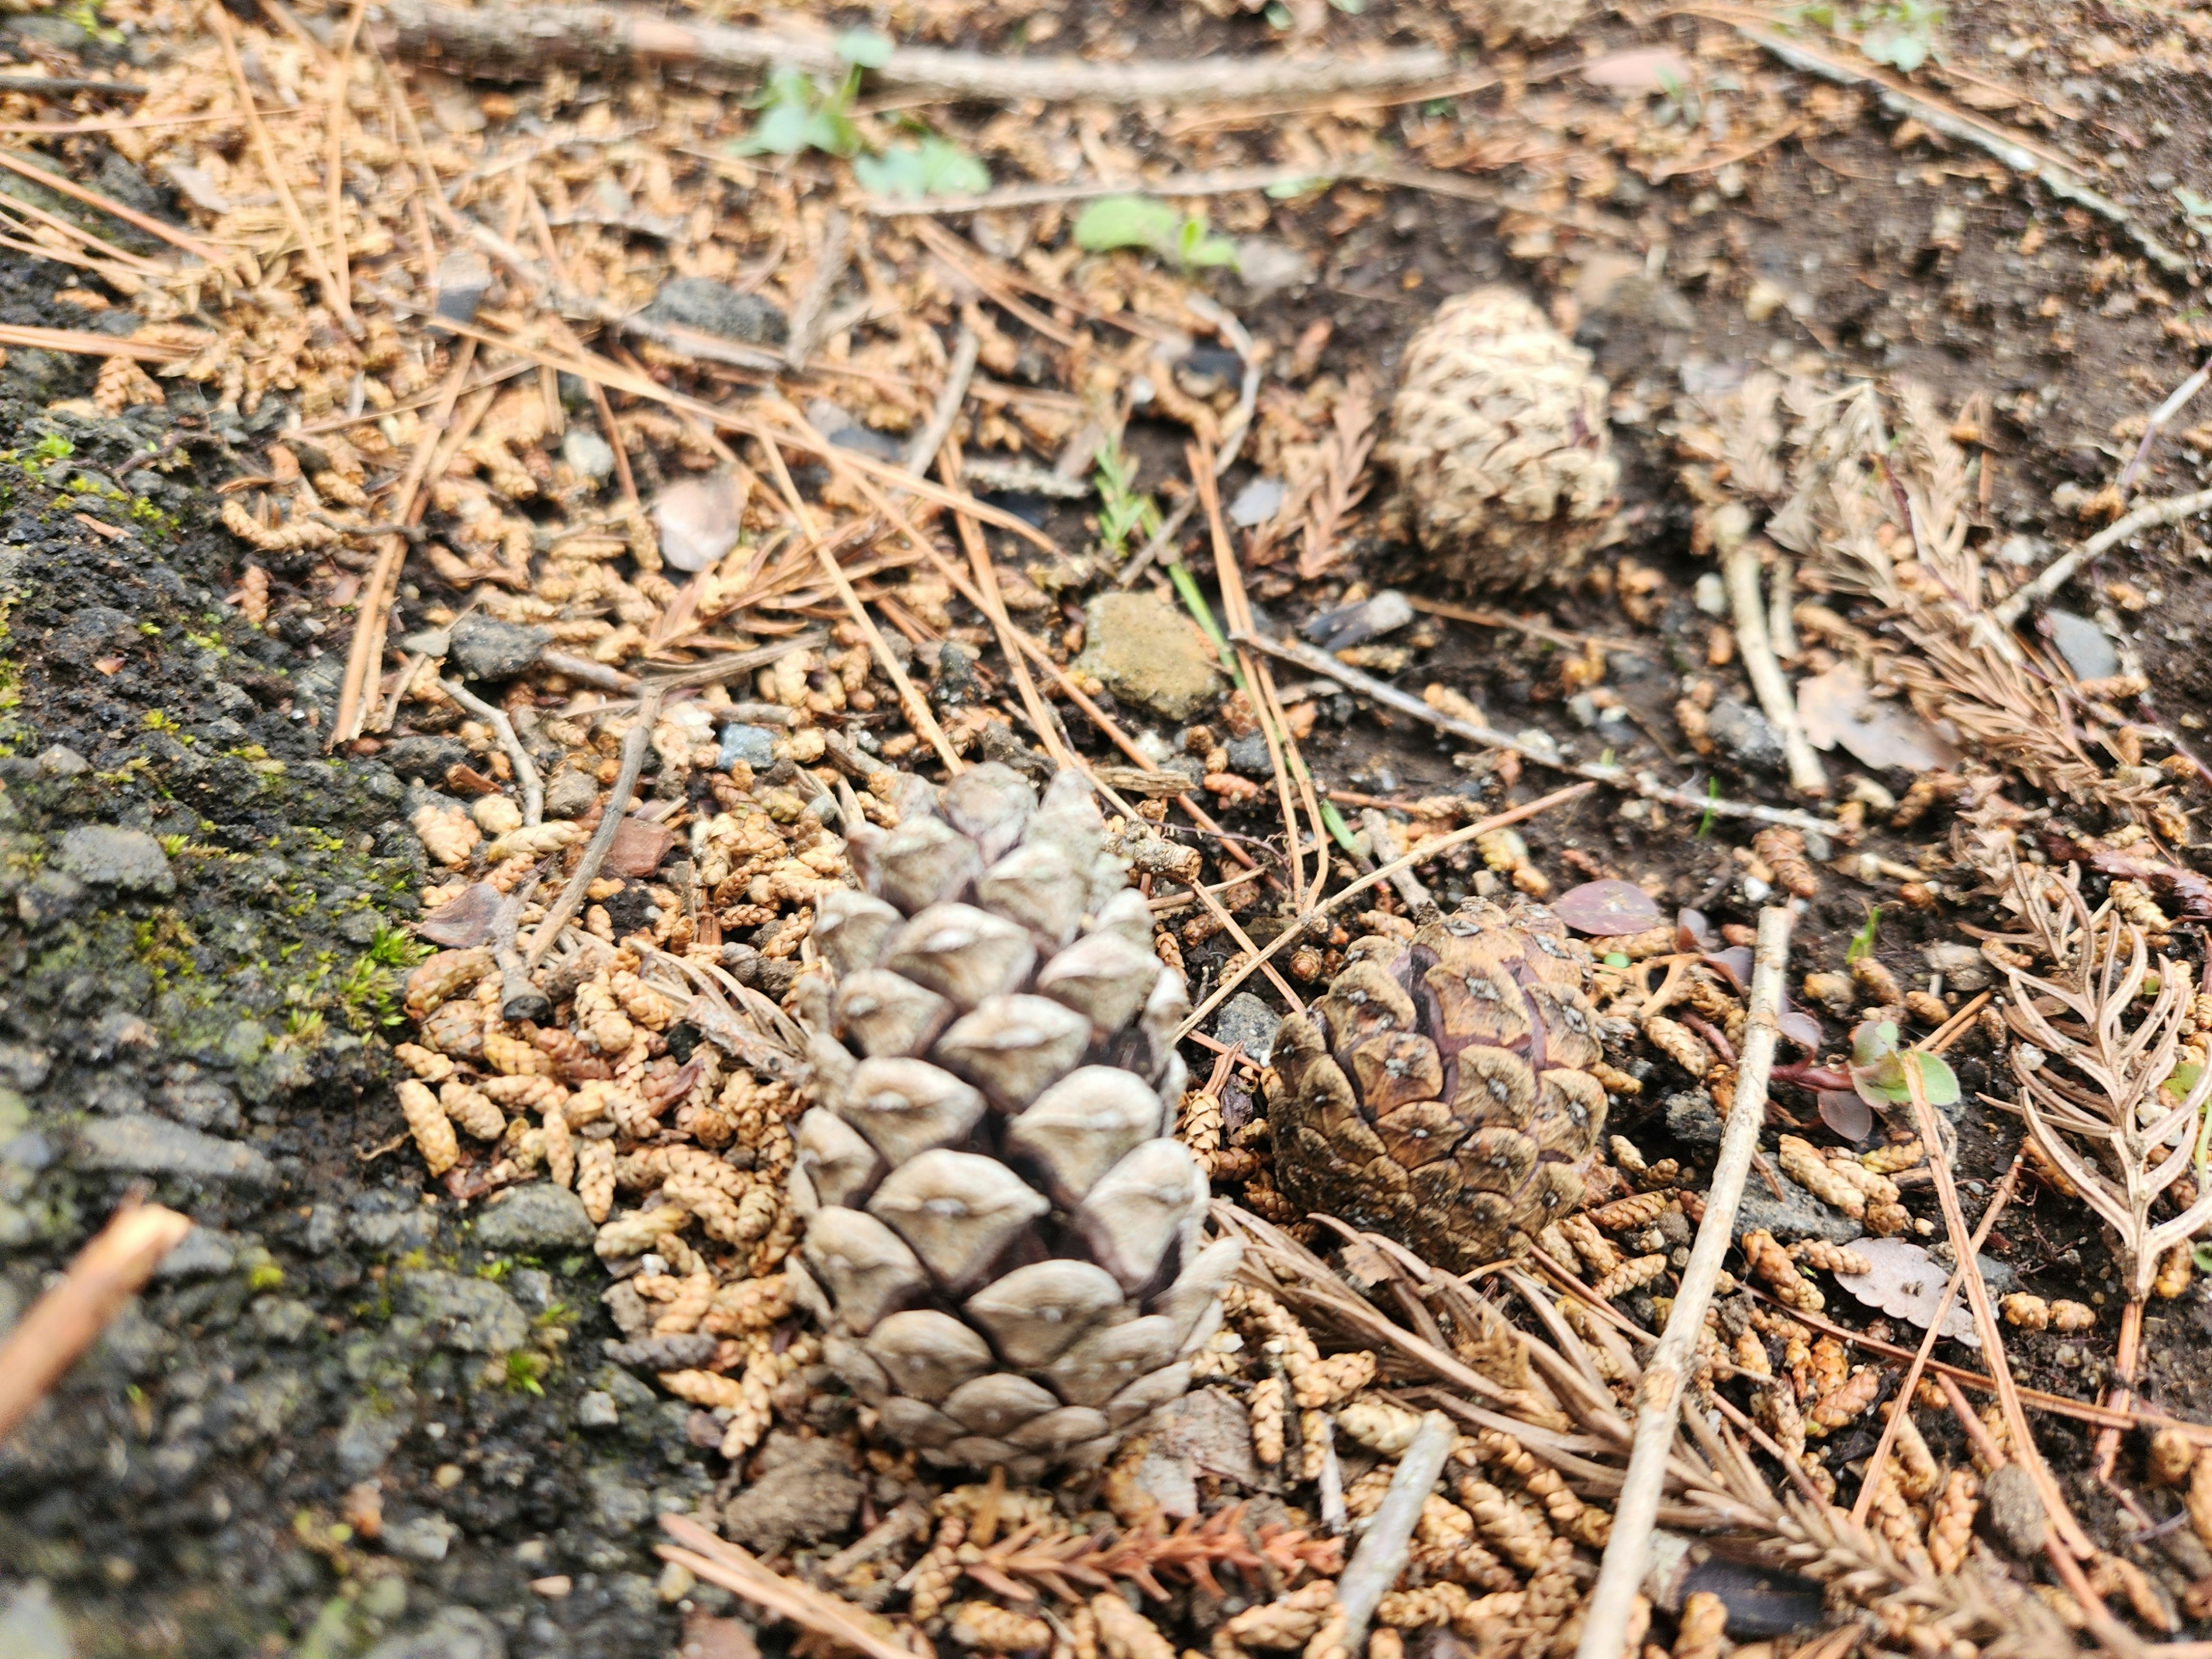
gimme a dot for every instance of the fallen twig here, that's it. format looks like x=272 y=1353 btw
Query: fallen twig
x=733 y=1569
x=922 y=454
x=68 y=1318
x=635 y=742
x=87 y=344
x=1740 y=570
x=1618 y=777
x=1605 y=1620
x=525 y=773
x=2060 y=571
x=2165 y=411
x=1381 y=1557
x=520 y=43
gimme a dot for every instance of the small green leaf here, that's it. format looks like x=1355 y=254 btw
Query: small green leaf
x=933 y=168
x=1290 y=189
x=1862 y=942
x=781 y=131
x=1113 y=222
x=2186 y=1077
x=1939 y=1084
x=864 y=48
x=1615 y=959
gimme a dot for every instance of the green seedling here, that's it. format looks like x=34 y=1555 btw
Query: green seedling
x=1145 y=221
x=914 y=171
x=1879 y=1069
x=1862 y=942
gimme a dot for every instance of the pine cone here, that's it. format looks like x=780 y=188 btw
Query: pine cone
x=1438 y=1092
x=1498 y=437
x=1002 y=1236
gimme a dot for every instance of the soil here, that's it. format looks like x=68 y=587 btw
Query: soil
x=186 y=1491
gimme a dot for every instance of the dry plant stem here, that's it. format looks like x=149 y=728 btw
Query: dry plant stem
x=525 y=774
x=1992 y=1334
x=1421 y=854
x=2055 y=574
x=987 y=583
x=922 y=454
x=1382 y=843
x=1320 y=663
x=1879 y=1460
x=333 y=294
x=1659 y=1400
x=88 y=345
x=1383 y=1548
x=830 y=265
x=519 y=42
x=1740 y=569
x=168 y=233
x=733 y=1569
x=635 y=742
x=2165 y=411
x=68 y=1318
x=2014 y=150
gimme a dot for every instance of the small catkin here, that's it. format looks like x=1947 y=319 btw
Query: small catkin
x=1703 y=1623
x=426 y=1063
x=1951 y=1521
x=2172 y=1457
x=1632 y=1213
x=1917 y=1470
x=1599 y=1258
x=1379 y=1425
x=1265 y=1406
x=994 y=1629
x=1771 y=1264
x=595 y=1178
x=2029 y=1312
x=1680 y=1044
x=427 y=1122
x=2175 y=1268
x=1751 y=1355
x=1889 y=1160
x=472 y=1109
x=2200 y=1498
x=1818 y=1253
x=1631 y=1275
x=1840 y=1405
x=1125 y=1633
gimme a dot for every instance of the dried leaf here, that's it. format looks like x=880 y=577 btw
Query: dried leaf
x=1607 y=908
x=1834 y=707
x=465 y=920
x=1905 y=1282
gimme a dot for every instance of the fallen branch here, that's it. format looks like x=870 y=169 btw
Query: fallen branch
x=1605 y=1622
x=525 y=773
x=515 y=43
x=1383 y=1548
x=2060 y=571
x=68 y=1318
x=1618 y=777
x=635 y=742
x=1740 y=570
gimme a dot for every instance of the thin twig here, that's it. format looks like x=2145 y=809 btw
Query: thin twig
x=2165 y=411
x=86 y=344
x=1382 y=847
x=523 y=42
x=1620 y=1575
x=68 y=1318
x=2060 y=571
x=922 y=454
x=635 y=742
x=1618 y=777
x=1421 y=854
x=829 y=263
x=1740 y=570
x=525 y=773
x=1381 y=1557
x=731 y=1567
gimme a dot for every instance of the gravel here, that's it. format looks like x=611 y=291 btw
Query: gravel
x=533 y=1218
x=130 y=860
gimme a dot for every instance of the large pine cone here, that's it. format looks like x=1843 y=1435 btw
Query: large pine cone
x=1438 y=1091
x=1002 y=1236
x=1499 y=441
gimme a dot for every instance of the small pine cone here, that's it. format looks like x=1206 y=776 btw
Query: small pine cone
x=1751 y=1355
x=693 y=1295
x=2175 y=1268
x=1888 y=1160
x=1680 y=1044
x=1365 y=1495
x=505 y=1052
x=1427 y=1608
x=639 y=1230
x=1613 y=1080
x=1774 y=1406
x=1926 y=1008
x=1599 y=1258
x=1895 y=1523
x=1288 y=1621
x=1802 y=1162
x=929 y=1581
x=1519 y=1533
x=709 y=1390
x=432 y=1129
x=1628 y=1156
x=645 y=1005
x=2200 y=1498
x=747 y=1306
x=1876 y=980
x=1841 y=1404
x=560 y=1149
x=595 y=1178
x=448 y=974
x=1887 y=1220
x=1951 y=1522
x=472 y=1109
x=1384 y=1643
x=1337 y=1378
x=1379 y=1425
x=1265 y=1406
x=1818 y=1253
x=2029 y=1312
x=1771 y=1264
x=1631 y=1275
x=1632 y=1213
x=756 y=1389
x=995 y=1629
x=1703 y=1623
x=1919 y=1471
x=425 y=1063
x=1125 y=1633
x=2070 y=1317
x=1313 y=1444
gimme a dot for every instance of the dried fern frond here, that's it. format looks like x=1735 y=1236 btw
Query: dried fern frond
x=2101 y=1086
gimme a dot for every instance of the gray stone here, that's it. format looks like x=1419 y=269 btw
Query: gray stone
x=451 y=1633
x=570 y=795
x=753 y=745
x=2013 y=1510
x=474 y=1315
x=618 y=1505
x=633 y=1315
x=426 y=1538
x=31 y=1627
x=539 y=1216
x=425 y=758
x=323 y=1230
x=806 y=1492
x=485 y=649
x=1691 y=1117
x=372 y=1431
x=2083 y=644
x=128 y=859
x=50 y=896
x=1963 y=967
x=463 y=277
x=598 y=1411
x=1745 y=735
x=697 y=520
x=282 y=1319
x=139 y=1145
x=1249 y=1021
x=588 y=455
x=678 y=1351
x=1249 y=755
x=2002 y=1276
x=203 y=1253
x=61 y=761
x=1146 y=651
x=716 y=308
x=1797 y=1214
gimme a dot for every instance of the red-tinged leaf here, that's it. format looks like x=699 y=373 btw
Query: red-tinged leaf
x=464 y=922
x=1847 y=1114
x=1733 y=965
x=1607 y=909
x=1692 y=931
x=1800 y=1028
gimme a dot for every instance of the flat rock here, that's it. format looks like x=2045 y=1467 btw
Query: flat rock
x=716 y=308
x=139 y=1145
x=639 y=846
x=451 y=1633
x=806 y=1492
x=485 y=649
x=130 y=860
x=1746 y=735
x=570 y=795
x=1797 y=1214
x=1146 y=651
x=474 y=1315
x=2088 y=651
x=2013 y=1510
x=1249 y=1021
x=537 y=1217
x=696 y=519
x=426 y=758
x=753 y=745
